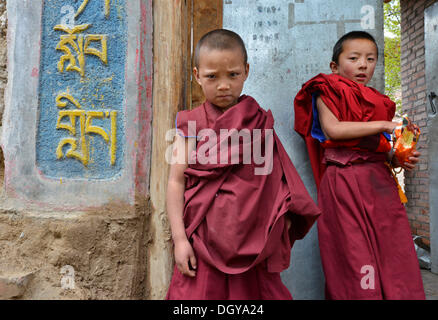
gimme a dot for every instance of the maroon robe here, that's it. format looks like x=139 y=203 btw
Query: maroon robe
x=234 y=218
x=365 y=239
x=348 y=101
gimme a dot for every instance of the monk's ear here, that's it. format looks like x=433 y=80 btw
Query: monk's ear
x=334 y=67
x=246 y=71
x=196 y=74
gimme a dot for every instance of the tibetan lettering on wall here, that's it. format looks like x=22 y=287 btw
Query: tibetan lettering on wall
x=82 y=89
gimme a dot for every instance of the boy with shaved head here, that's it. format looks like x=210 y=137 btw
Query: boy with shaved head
x=233 y=217
x=365 y=240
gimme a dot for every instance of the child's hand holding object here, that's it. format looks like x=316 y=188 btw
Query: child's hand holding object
x=405 y=137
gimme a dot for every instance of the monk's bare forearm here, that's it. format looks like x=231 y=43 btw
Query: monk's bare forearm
x=175 y=208
x=344 y=130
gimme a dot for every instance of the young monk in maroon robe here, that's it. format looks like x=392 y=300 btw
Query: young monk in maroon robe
x=365 y=240
x=233 y=217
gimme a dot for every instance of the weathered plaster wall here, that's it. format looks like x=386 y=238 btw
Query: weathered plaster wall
x=34 y=144
x=3 y=52
x=93 y=233
x=105 y=249
x=3 y=74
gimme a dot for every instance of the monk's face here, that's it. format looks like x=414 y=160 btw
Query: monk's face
x=357 y=60
x=221 y=74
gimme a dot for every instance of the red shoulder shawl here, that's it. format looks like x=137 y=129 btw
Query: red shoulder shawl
x=349 y=101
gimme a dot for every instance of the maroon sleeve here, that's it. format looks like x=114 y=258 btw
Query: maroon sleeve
x=304 y=119
x=302 y=209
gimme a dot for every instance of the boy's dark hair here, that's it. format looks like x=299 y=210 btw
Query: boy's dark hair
x=220 y=39
x=339 y=46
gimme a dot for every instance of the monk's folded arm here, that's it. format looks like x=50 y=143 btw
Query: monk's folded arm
x=334 y=129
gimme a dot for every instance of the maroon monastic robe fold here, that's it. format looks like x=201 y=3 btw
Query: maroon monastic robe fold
x=348 y=101
x=364 y=235
x=235 y=218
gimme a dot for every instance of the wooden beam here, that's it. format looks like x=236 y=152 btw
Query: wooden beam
x=188 y=21
x=178 y=25
x=207 y=16
x=169 y=96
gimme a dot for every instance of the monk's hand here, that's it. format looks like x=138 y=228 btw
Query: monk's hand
x=408 y=166
x=185 y=258
x=389 y=126
x=413 y=160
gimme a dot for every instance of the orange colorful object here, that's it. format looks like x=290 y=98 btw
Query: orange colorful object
x=405 y=137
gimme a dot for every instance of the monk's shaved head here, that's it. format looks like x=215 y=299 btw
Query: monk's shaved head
x=220 y=39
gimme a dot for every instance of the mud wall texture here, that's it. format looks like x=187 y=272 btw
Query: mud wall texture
x=63 y=255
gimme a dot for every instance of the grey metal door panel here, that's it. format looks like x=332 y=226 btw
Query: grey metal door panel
x=431 y=52
x=288 y=42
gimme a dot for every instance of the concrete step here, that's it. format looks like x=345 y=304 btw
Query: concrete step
x=430 y=282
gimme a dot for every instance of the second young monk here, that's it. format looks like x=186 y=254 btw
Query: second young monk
x=365 y=240
x=235 y=208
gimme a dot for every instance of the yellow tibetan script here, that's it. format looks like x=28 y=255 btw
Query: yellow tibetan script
x=84 y=4
x=81 y=152
x=80 y=48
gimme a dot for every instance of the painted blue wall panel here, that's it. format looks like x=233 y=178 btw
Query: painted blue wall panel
x=101 y=87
